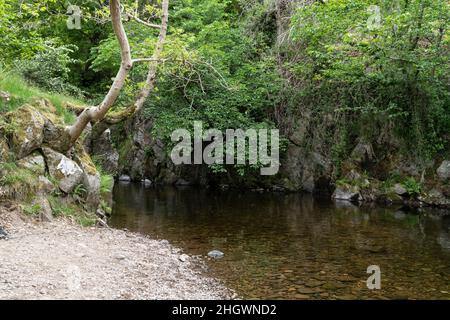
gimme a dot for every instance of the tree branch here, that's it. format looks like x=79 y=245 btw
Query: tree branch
x=150 y=25
x=148 y=60
x=99 y=112
x=117 y=117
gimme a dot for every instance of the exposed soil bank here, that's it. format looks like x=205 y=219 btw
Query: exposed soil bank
x=60 y=260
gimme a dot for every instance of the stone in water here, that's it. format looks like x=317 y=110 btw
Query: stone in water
x=216 y=254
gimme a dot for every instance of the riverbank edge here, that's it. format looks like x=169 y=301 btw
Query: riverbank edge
x=43 y=260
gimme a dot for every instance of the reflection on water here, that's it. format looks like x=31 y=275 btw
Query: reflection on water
x=293 y=246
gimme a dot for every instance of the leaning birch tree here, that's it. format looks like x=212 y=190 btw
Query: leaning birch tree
x=98 y=115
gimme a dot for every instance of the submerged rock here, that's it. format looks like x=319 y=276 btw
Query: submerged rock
x=216 y=254
x=66 y=171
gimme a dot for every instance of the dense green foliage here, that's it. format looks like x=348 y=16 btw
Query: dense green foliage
x=377 y=67
x=226 y=64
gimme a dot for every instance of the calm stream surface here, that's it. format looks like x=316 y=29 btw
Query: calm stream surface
x=291 y=246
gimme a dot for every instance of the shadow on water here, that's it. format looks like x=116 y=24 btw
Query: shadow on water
x=291 y=246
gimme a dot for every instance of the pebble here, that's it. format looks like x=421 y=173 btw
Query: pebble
x=216 y=254
x=183 y=257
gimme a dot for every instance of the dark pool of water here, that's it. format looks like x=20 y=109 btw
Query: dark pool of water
x=291 y=246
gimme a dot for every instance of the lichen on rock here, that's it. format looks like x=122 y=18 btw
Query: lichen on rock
x=66 y=171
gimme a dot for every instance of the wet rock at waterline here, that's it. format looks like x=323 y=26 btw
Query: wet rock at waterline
x=216 y=254
x=435 y=197
x=124 y=178
x=147 y=183
x=182 y=183
x=347 y=193
x=66 y=171
x=400 y=190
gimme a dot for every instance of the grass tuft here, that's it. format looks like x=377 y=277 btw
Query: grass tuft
x=21 y=92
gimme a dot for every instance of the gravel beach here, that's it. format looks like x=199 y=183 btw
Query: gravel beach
x=61 y=260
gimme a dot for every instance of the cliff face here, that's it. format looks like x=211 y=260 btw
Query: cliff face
x=320 y=156
x=323 y=157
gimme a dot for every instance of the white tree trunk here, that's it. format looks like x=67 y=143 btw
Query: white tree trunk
x=98 y=113
x=153 y=64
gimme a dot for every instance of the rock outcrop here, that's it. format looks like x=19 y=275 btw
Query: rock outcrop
x=443 y=172
x=45 y=164
x=28 y=133
x=64 y=170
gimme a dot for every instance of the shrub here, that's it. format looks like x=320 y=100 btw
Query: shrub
x=412 y=186
x=50 y=69
x=106 y=183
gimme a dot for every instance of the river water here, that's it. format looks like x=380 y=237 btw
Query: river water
x=292 y=246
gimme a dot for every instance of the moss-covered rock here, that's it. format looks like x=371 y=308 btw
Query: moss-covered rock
x=28 y=133
x=34 y=162
x=56 y=136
